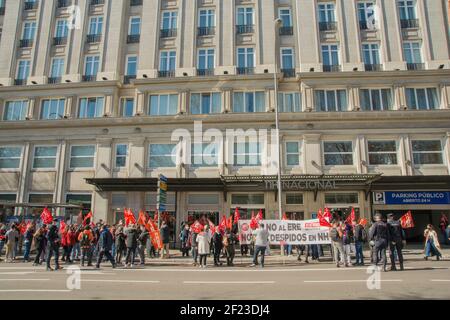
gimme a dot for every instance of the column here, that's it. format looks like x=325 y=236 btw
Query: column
x=309 y=46
x=226 y=37
x=140 y=102
x=445 y=90
x=307 y=98
x=137 y=158
x=405 y=160
x=183 y=105
x=361 y=160
x=187 y=36
x=265 y=36
x=104 y=156
x=226 y=97
x=399 y=98
x=31 y=107
x=313 y=154
x=22 y=190
x=10 y=33
x=61 y=174
x=70 y=106
x=109 y=100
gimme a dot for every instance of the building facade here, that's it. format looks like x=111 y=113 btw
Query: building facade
x=91 y=92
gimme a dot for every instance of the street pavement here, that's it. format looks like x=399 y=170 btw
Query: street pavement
x=283 y=278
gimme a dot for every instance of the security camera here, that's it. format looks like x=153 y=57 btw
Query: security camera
x=278 y=21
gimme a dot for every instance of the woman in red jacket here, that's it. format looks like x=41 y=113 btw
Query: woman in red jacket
x=71 y=239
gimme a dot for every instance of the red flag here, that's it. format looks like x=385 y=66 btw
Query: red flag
x=363 y=222
x=351 y=217
x=155 y=216
x=230 y=222
x=197 y=227
x=46 y=216
x=155 y=235
x=407 y=221
x=129 y=217
x=88 y=217
x=62 y=226
x=237 y=216
x=223 y=224
x=142 y=220
x=322 y=221
x=212 y=227
x=260 y=215
x=22 y=227
x=284 y=217
x=327 y=215
x=253 y=222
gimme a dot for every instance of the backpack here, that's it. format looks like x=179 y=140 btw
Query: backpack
x=85 y=240
x=334 y=234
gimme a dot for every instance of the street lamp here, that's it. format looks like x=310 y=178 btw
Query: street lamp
x=278 y=22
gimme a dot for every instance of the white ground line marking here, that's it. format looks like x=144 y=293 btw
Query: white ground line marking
x=347 y=281
x=16 y=273
x=32 y=290
x=119 y=281
x=228 y=282
x=440 y=280
x=240 y=270
x=24 y=280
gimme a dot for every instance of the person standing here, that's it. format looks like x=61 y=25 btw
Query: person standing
x=194 y=245
x=397 y=238
x=230 y=248
x=204 y=241
x=432 y=246
x=12 y=236
x=131 y=243
x=165 y=235
x=2 y=238
x=443 y=223
x=105 y=243
x=184 y=237
x=360 y=238
x=39 y=243
x=86 y=239
x=121 y=246
x=142 y=244
x=379 y=237
x=76 y=250
x=53 y=245
x=336 y=236
x=217 y=241
x=261 y=243
x=27 y=241
x=348 y=241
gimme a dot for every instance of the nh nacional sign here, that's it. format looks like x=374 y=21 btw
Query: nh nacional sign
x=302 y=184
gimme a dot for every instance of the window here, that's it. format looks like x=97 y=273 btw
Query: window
x=131 y=65
x=326 y=12
x=57 y=68
x=162 y=156
x=121 y=155
x=341 y=198
x=338 y=153
x=246 y=57
x=366 y=15
x=206 y=103
x=382 y=152
x=163 y=104
x=330 y=55
x=287 y=58
x=371 y=53
x=135 y=26
x=289 y=102
x=167 y=60
x=91 y=107
x=127 y=107
x=249 y=101
x=62 y=29
x=40 y=198
x=23 y=70
x=422 y=98
x=203 y=199
x=412 y=52
x=95 y=26
x=82 y=156
x=169 y=20
x=15 y=110
x=292 y=154
x=244 y=16
x=286 y=16
x=91 y=65
x=206 y=18
x=247 y=154
x=294 y=198
x=331 y=100
x=29 y=30
x=206 y=59
x=407 y=9
x=83 y=200
x=10 y=157
x=52 y=109
x=45 y=157
x=204 y=154
x=247 y=199
x=427 y=152
x=375 y=99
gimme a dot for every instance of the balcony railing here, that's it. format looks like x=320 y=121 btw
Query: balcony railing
x=373 y=67
x=364 y=25
x=135 y=3
x=166 y=74
x=245 y=28
x=205 y=72
x=409 y=23
x=245 y=70
x=59 y=41
x=89 y=78
x=92 y=38
x=20 y=82
x=2 y=11
x=288 y=73
x=415 y=66
x=63 y=4
x=331 y=68
x=31 y=5
x=127 y=79
x=168 y=33
x=286 y=31
x=97 y=2
x=26 y=43
x=133 y=38
x=53 y=80
x=206 y=31
x=327 y=26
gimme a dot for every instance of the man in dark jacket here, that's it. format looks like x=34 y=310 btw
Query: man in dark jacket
x=165 y=235
x=27 y=241
x=39 y=242
x=142 y=244
x=360 y=238
x=131 y=243
x=230 y=250
x=217 y=245
x=105 y=243
x=396 y=241
x=379 y=238
x=53 y=244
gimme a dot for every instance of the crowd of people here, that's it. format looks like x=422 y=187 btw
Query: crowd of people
x=123 y=244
